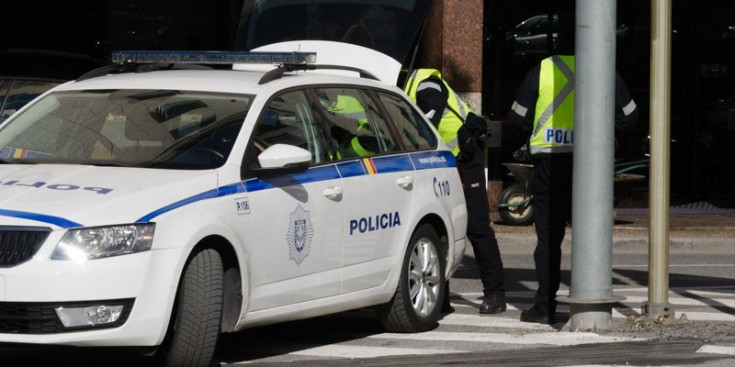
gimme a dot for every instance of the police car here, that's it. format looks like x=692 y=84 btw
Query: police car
x=159 y=203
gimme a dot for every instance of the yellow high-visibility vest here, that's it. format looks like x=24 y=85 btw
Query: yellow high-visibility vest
x=450 y=122
x=348 y=106
x=553 y=123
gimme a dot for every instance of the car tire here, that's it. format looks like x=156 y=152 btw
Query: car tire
x=516 y=216
x=198 y=316
x=417 y=302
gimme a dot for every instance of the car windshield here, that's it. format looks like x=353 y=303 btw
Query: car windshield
x=140 y=128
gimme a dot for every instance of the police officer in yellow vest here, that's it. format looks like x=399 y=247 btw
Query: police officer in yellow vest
x=465 y=132
x=544 y=106
x=362 y=142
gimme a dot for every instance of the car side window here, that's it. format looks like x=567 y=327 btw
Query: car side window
x=411 y=126
x=354 y=126
x=287 y=119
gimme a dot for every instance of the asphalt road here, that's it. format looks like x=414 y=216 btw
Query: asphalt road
x=702 y=285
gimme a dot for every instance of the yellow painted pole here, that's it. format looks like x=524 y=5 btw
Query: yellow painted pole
x=658 y=235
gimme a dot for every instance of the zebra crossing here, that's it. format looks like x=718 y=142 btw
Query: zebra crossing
x=703 y=304
x=465 y=331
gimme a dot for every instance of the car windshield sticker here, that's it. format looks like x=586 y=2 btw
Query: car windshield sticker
x=10 y=152
x=115 y=117
x=300 y=233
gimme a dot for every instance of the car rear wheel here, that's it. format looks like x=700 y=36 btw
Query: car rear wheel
x=416 y=305
x=196 y=327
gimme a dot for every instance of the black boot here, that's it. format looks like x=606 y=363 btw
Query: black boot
x=492 y=304
x=537 y=315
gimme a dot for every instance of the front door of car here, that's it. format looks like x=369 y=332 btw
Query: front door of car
x=378 y=185
x=296 y=247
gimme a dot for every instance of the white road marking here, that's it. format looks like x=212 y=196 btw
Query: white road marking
x=521 y=333
x=356 y=351
x=549 y=338
x=491 y=321
x=709 y=299
x=677 y=266
x=686 y=301
x=717 y=349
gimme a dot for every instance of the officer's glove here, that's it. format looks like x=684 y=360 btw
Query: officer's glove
x=467 y=143
x=477 y=126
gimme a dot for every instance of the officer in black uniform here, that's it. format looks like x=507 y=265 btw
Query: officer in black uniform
x=431 y=97
x=552 y=176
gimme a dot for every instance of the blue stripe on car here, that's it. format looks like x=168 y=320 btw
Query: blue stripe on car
x=61 y=222
x=351 y=169
x=393 y=163
x=385 y=164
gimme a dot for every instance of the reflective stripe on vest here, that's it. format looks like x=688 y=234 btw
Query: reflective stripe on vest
x=553 y=123
x=450 y=122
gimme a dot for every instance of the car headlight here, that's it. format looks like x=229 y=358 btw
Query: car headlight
x=97 y=242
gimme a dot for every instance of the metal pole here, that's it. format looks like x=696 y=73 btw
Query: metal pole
x=658 y=235
x=590 y=295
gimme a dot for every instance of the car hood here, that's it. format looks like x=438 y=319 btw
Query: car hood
x=377 y=36
x=68 y=196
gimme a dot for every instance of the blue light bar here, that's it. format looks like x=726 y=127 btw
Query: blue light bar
x=212 y=57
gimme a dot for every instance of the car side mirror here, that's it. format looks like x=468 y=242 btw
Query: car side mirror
x=281 y=159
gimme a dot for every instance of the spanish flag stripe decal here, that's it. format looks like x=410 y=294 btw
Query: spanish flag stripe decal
x=20 y=153
x=369 y=166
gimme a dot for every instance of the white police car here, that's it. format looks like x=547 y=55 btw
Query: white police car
x=160 y=204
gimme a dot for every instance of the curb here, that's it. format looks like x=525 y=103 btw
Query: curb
x=510 y=242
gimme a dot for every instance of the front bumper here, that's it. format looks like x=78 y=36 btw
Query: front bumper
x=148 y=280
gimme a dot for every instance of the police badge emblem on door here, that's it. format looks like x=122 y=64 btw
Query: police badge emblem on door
x=300 y=233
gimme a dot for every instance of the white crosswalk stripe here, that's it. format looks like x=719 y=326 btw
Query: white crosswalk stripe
x=464 y=331
x=696 y=304
x=545 y=338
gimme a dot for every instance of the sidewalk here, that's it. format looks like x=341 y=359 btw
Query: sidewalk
x=630 y=232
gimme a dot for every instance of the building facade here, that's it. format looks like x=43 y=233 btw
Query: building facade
x=483 y=48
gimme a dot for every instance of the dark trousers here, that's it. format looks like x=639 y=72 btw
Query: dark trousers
x=552 y=209
x=479 y=232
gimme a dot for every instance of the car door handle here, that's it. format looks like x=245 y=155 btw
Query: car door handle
x=333 y=193
x=405 y=182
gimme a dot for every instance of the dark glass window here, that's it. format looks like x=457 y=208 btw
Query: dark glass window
x=287 y=119
x=411 y=126
x=355 y=126
x=389 y=27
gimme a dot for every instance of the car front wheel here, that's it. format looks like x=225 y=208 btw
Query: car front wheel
x=196 y=326
x=416 y=305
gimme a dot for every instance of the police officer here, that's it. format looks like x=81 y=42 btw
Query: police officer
x=544 y=106
x=464 y=132
x=360 y=143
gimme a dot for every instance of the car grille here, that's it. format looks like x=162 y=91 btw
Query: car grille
x=29 y=318
x=19 y=244
x=41 y=318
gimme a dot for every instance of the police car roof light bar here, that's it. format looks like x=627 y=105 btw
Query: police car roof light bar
x=212 y=57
